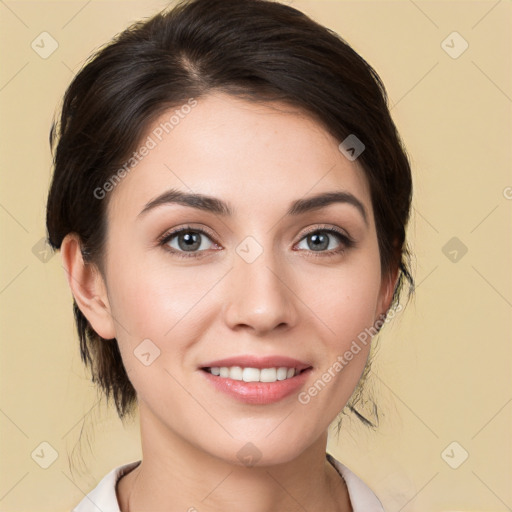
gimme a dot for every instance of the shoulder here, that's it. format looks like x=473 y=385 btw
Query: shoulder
x=362 y=498
x=103 y=497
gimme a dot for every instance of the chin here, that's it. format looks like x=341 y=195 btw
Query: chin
x=260 y=452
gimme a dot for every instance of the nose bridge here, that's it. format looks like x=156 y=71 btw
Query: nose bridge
x=258 y=296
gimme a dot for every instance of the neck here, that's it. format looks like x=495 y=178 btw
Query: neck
x=176 y=476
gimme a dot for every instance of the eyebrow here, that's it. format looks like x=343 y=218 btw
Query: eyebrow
x=219 y=207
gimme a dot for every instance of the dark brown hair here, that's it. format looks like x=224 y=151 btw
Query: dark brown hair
x=255 y=49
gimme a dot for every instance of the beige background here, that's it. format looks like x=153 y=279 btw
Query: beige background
x=443 y=369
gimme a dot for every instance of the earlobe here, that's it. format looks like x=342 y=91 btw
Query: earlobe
x=88 y=287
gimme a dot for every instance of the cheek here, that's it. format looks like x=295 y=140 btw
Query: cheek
x=149 y=296
x=349 y=311
x=345 y=303
x=347 y=299
x=168 y=305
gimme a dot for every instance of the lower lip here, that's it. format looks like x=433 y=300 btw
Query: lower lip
x=258 y=393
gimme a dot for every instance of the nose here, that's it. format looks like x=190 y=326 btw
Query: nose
x=258 y=297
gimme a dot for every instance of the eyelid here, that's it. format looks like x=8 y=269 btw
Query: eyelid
x=328 y=227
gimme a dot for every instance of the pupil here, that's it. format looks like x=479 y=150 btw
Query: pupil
x=189 y=241
x=318 y=242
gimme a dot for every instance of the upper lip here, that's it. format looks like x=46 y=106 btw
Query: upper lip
x=248 y=361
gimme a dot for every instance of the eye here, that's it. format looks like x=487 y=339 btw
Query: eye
x=325 y=240
x=188 y=240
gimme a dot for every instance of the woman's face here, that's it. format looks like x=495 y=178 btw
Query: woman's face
x=260 y=276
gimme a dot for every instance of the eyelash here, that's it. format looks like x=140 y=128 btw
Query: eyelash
x=343 y=238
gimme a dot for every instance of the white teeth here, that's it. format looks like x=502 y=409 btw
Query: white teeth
x=235 y=373
x=281 y=373
x=253 y=374
x=268 y=375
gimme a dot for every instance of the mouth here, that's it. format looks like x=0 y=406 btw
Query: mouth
x=257 y=380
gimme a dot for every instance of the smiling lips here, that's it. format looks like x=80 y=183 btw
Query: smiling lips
x=257 y=380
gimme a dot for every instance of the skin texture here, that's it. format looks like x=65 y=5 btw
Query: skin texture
x=291 y=301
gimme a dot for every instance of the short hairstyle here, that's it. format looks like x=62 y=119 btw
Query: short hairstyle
x=257 y=50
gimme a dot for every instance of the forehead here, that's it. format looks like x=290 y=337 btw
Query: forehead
x=255 y=156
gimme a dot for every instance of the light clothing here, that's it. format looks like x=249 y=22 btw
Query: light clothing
x=103 y=497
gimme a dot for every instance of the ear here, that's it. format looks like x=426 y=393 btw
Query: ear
x=389 y=281
x=88 y=287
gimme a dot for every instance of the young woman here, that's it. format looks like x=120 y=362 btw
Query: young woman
x=230 y=198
